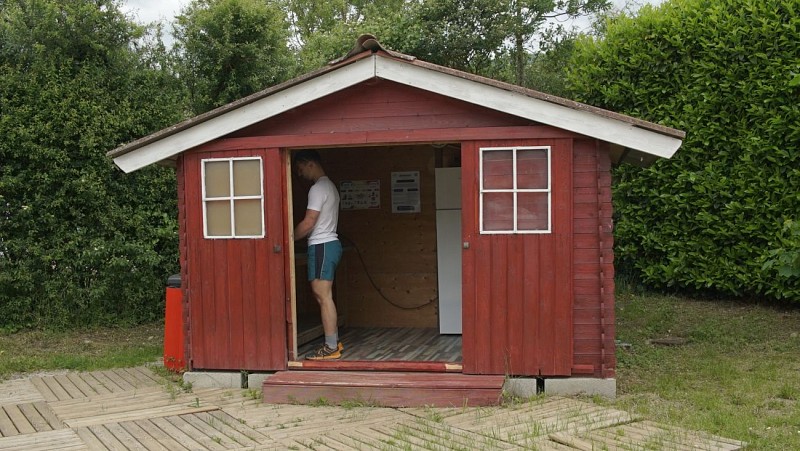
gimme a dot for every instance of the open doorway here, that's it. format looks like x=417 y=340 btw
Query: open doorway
x=387 y=287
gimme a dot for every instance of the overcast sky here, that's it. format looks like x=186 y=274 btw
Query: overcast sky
x=164 y=10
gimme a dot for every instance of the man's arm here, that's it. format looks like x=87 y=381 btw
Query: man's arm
x=306 y=225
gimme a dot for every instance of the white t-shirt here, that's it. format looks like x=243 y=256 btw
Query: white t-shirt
x=324 y=198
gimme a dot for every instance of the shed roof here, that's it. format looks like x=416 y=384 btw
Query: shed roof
x=633 y=140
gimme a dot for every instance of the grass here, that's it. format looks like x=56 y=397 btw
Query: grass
x=80 y=350
x=737 y=375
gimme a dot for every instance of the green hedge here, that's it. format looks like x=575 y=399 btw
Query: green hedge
x=81 y=243
x=728 y=73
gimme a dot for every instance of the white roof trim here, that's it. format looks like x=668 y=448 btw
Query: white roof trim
x=587 y=123
x=249 y=114
x=517 y=104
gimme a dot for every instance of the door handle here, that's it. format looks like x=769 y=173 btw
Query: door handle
x=466 y=244
x=276 y=248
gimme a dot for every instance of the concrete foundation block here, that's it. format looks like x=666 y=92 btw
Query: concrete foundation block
x=606 y=388
x=256 y=380
x=521 y=387
x=213 y=379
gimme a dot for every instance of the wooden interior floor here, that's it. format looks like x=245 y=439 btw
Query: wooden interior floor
x=394 y=344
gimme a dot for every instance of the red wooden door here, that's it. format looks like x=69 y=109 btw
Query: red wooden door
x=517 y=287
x=235 y=286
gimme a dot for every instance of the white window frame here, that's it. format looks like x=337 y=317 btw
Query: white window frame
x=231 y=197
x=515 y=191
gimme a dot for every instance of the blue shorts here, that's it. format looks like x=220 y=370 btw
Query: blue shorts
x=323 y=259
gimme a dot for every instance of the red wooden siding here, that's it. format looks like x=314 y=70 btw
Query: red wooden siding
x=593 y=261
x=234 y=288
x=517 y=293
x=380 y=106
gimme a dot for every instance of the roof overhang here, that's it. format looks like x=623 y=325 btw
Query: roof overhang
x=632 y=140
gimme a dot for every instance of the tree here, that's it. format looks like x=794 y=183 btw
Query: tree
x=726 y=71
x=228 y=49
x=325 y=31
x=81 y=243
x=487 y=37
x=526 y=18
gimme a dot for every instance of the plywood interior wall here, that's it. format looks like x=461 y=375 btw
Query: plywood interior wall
x=399 y=250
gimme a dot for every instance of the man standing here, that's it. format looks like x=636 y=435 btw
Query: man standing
x=324 y=248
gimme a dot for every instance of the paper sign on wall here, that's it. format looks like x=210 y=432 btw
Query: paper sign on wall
x=360 y=194
x=405 y=192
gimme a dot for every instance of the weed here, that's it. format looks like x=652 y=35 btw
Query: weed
x=320 y=402
x=434 y=415
x=359 y=403
x=789 y=392
x=252 y=393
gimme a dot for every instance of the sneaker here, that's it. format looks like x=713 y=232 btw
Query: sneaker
x=340 y=346
x=325 y=353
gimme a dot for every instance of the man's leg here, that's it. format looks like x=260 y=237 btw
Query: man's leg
x=323 y=293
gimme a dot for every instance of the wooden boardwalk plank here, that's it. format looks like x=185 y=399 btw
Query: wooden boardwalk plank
x=64 y=381
x=95 y=383
x=174 y=432
x=7 y=428
x=132 y=405
x=148 y=375
x=49 y=388
x=89 y=438
x=141 y=437
x=19 y=391
x=128 y=440
x=164 y=411
x=117 y=380
x=282 y=420
x=350 y=439
x=108 y=439
x=415 y=436
x=39 y=422
x=150 y=428
x=63 y=440
x=205 y=440
x=134 y=377
x=238 y=431
x=20 y=421
x=47 y=413
x=106 y=382
x=80 y=383
x=223 y=428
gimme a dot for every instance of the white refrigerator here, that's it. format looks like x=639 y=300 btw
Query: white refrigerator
x=448 y=248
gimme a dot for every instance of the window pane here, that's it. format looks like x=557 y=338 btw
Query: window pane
x=498 y=211
x=532 y=211
x=246 y=177
x=498 y=169
x=532 y=169
x=248 y=217
x=217 y=178
x=218 y=218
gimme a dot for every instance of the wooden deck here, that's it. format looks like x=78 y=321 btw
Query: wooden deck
x=136 y=409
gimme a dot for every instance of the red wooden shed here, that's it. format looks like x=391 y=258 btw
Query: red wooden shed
x=535 y=296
